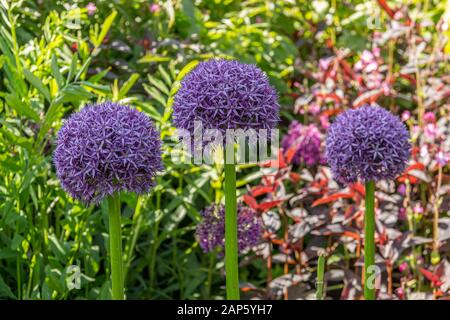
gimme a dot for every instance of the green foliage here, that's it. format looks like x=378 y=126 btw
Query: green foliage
x=56 y=59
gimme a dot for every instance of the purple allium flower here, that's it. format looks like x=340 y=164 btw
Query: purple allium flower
x=226 y=94
x=211 y=229
x=107 y=148
x=368 y=143
x=306 y=140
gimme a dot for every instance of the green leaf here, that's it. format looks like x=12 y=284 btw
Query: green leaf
x=56 y=73
x=5 y=290
x=83 y=69
x=73 y=67
x=165 y=75
x=50 y=117
x=148 y=58
x=186 y=69
x=128 y=85
x=170 y=13
x=57 y=248
x=155 y=94
x=37 y=83
x=159 y=85
x=105 y=28
x=73 y=93
x=22 y=108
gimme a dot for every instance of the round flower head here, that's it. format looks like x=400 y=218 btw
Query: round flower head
x=306 y=141
x=211 y=230
x=226 y=94
x=368 y=143
x=107 y=148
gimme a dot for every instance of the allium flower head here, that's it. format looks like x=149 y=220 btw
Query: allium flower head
x=226 y=94
x=306 y=140
x=368 y=143
x=211 y=230
x=107 y=148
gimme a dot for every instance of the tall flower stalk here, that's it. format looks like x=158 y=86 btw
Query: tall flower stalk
x=227 y=95
x=367 y=144
x=369 y=240
x=101 y=151
x=231 y=235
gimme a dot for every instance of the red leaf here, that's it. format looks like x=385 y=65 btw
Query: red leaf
x=295 y=177
x=268 y=205
x=279 y=163
x=405 y=176
x=416 y=166
x=435 y=280
x=260 y=190
x=290 y=153
x=250 y=201
x=358 y=187
x=332 y=198
x=386 y=8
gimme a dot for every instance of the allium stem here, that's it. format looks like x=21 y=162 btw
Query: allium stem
x=231 y=239
x=115 y=242
x=369 y=242
x=320 y=273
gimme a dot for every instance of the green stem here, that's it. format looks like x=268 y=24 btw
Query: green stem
x=115 y=242
x=231 y=239
x=320 y=272
x=369 y=242
x=129 y=247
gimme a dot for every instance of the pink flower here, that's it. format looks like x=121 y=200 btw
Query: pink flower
x=429 y=117
x=372 y=66
x=406 y=115
x=418 y=209
x=91 y=8
x=430 y=131
x=402 y=214
x=400 y=293
x=402 y=267
x=324 y=63
x=324 y=121
x=155 y=8
x=367 y=57
x=314 y=108
x=401 y=189
x=376 y=52
x=442 y=158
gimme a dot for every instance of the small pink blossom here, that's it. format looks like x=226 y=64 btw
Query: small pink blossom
x=406 y=115
x=367 y=57
x=429 y=117
x=430 y=131
x=324 y=63
x=324 y=121
x=442 y=158
x=400 y=293
x=418 y=209
x=402 y=214
x=91 y=8
x=314 y=108
x=402 y=267
x=401 y=189
x=155 y=8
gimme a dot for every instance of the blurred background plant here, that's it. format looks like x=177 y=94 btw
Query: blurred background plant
x=322 y=56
